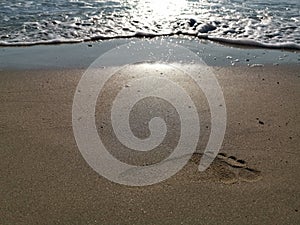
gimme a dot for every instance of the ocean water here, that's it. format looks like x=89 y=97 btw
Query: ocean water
x=269 y=23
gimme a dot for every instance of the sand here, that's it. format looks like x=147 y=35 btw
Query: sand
x=45 y=180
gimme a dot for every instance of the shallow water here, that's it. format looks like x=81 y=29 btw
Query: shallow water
x=270 y=23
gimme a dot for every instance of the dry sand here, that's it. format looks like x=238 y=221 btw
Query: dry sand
x=45 y=180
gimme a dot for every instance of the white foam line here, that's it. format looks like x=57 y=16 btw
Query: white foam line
x=44 y=42
x=141 y=34
x=249 y=42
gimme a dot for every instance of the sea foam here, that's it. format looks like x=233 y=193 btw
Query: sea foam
x=260 y=23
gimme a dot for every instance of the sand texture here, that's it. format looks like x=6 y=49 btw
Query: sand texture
x=254 y=180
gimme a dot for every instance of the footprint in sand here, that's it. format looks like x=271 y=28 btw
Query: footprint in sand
x=224 y=169
x=229 y=169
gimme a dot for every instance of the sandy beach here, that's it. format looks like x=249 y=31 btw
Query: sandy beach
x=45 y=180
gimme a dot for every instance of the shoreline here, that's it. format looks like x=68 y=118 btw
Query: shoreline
x=81 y=55
x=286 y=46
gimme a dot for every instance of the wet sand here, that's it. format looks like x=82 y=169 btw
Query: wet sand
x=45 y=180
